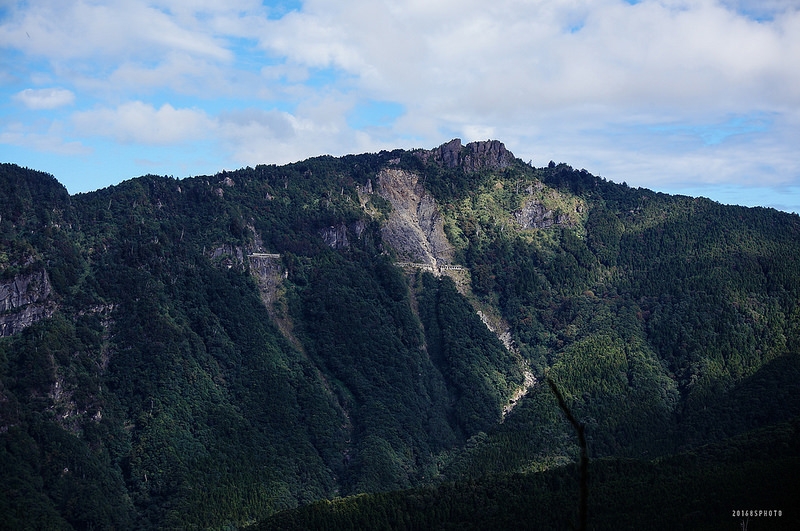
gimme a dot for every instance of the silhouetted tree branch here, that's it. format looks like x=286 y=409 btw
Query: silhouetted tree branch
x=580 y=429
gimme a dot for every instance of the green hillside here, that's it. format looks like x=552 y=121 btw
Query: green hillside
x=204 y=353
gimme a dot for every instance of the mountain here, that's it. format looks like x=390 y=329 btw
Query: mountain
x=205 y=353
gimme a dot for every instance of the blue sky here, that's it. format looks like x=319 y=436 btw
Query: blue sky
x=699 y=97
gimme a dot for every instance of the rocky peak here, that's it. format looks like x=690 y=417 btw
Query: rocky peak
x=475 y=156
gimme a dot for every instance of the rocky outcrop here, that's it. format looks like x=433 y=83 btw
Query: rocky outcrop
x=336 y=236
x=227 y=256
x=24 y=289
x=269 y=272
x=24 y=300
x=475 y=156
x=415 y=228
x=18 y=321
x=535 y=215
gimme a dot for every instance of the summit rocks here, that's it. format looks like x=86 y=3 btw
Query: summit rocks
x=475 y=156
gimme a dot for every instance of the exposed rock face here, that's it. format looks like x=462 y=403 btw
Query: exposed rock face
x=18 y=321
x=475 y=156
x=336 y=236
x=415 y=228
x=23 y=290
x=227 y=256
x=24 y=300
x=535 y=215
x=269 y=272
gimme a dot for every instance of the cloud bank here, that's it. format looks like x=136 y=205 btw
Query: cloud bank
x=46 y=98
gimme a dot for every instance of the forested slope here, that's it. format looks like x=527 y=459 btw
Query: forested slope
x=201 y=353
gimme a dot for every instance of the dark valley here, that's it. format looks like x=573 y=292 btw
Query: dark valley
x=364 y=342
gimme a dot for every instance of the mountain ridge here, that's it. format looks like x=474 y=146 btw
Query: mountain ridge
x=214 y=349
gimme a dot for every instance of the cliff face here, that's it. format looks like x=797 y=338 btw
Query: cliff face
x=475 y=156
x=24 y=300
x=415 y=228
x=535 y=215
x=336 y=236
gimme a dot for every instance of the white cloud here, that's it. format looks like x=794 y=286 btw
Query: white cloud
x=48 y=139
x=60 y=30
x=514 y=57
x=101 y=46
x=508 y=58
x=138 y=122
x=600 y=75
x=256 y=136
x=47 y=98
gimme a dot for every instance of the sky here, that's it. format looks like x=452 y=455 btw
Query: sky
x=694 y=97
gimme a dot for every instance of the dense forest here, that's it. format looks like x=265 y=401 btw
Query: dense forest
x=363 y=343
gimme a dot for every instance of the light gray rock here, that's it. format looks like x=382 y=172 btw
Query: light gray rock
x=415 y=228
x=475 y=156
x=535 y=215
x=24 y=300
x=336 y=236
